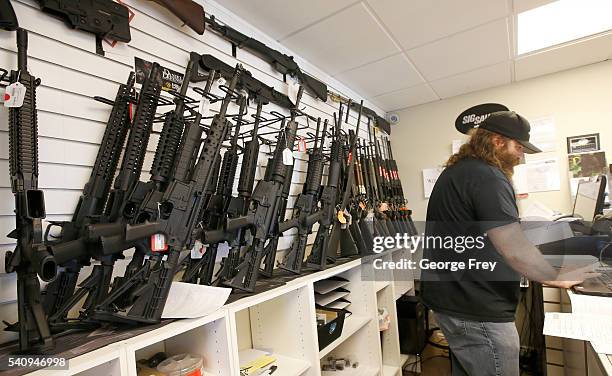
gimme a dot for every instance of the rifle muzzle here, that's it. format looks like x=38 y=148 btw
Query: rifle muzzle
x=45 y=264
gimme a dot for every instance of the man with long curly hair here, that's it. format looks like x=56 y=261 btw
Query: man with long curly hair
x=474 y=198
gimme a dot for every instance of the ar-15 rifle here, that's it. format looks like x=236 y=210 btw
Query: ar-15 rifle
x=254 y=87
x=318 y=256
x=190 y=12
x=264 y=205
x=281 y=62
x=104 y=18
x=238 y=206
x=31 y=257
x=402 y=213
x=341 y=237
x=176 y=205
x=305 y=212
x=216 y=209
x=60 y=294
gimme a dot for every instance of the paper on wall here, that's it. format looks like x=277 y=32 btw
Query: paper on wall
x=539 y=175
x=188 y=300
x=543 y=134
x=456 y=145
x=430 y=176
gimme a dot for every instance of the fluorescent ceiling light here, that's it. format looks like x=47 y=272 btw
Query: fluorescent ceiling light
x=562 y=21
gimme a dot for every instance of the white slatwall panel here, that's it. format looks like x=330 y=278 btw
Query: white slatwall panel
x=71 y=123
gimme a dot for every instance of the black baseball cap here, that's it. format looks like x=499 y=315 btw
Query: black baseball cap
x=511 y=125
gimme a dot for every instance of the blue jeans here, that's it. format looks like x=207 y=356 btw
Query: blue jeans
x=481 y=348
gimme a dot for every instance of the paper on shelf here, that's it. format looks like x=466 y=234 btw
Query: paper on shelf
x=188 y=300
x=594 y=328
x=325 y=299
x=327 y=285
x=589 y=304
x=338 y=304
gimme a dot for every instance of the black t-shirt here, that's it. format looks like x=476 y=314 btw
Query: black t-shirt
x=468 y=199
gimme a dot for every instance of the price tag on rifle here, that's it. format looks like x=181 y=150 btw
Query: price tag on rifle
x=292 y=89
x=341 y=218
x=14 y=95
x=287 y=157
x=198 y=250
x=362 y=205
x=204 y=108
x=158 y=243
x=221 y=81
x=384 y=206
x=302 y=144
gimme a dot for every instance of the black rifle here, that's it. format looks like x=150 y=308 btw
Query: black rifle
x=341 y=237
x=378 y=120
x=255 y=88
x=8 y=19
x=214 y=216
x=328 y=199
x=104 y=18
x=238 y=206
x=281 y=62
x=60 y=294
x=31 y=258
x=176 y=205
x=305 y=212
x=263 y=208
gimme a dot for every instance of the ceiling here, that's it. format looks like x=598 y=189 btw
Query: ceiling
x=402 y=53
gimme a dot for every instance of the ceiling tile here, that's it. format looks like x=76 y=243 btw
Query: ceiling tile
x=483 y=46
x=405 y=98
x=525 y=5
x=483 y=78
x=343 y=41
x=277 y=19
x=389 y=74
x=417 y=22
x=583 y=52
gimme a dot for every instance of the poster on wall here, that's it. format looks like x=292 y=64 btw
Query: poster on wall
x=540 y=175
x=543 y=134
x=430 y=176
x=587 y=164
x=583 y=144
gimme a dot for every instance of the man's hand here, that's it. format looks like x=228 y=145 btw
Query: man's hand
x=571 y=277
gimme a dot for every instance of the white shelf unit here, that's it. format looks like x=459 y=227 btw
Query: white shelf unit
x=282 y=326
x=403 y=279
x=280 y=321
x=207 y=336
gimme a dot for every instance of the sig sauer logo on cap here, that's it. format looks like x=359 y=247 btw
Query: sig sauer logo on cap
x=474 y=116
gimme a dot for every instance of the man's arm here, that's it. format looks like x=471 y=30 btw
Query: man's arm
x=525 y=258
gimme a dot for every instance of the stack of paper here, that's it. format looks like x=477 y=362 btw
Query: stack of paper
x=587 y=327
x=329 y=293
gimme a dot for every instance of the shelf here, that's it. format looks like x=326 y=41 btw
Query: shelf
x=351 y=325
x=390 y=370
x=401 y=290
x=381 y=285
x=359 y=371
x=286 y=366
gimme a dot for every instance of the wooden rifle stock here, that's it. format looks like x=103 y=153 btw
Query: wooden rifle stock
x=190 y=12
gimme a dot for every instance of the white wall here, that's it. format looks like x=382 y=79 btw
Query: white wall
x=71 y=123
x=579 y=100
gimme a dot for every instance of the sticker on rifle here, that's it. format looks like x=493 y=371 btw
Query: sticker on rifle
x=158 y=243
x=198 y=250
x=293 y=87
x=302 y=144
x=14 y=95
x=341 y=218
x=204 y=108
x=287 y=157
x=362 y=205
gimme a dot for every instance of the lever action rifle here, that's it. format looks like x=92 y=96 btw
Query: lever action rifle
x=31 y=258
x=190 y=12
x=281 y=62
x=104 y=18
x=305 y=212
x=60 y=294
x=176 y=204
x=264 y=207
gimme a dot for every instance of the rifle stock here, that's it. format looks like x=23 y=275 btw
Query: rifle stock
x=190 y=12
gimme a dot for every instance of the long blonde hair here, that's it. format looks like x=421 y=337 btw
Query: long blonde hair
x=480 y=146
